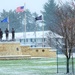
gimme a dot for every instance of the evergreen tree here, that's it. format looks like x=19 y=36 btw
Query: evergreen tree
x=17 y=21
x=36 y=24
x=49 y=15
x=29 y=20
x=3 y=14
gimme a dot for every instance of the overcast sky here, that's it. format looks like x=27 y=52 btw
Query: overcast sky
x=32 y=5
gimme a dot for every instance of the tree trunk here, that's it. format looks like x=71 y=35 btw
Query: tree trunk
x=67 y=65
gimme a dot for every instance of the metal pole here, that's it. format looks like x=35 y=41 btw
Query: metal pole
x=25 y=21
x=57 y=60
x=35 y=34
x=72 y=64
x=57 y=54
x=43 y=32
x=8 y=22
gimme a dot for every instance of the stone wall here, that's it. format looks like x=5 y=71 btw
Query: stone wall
x=25 y=50
x=42 y=52
x=38 y=52
x=9 y=48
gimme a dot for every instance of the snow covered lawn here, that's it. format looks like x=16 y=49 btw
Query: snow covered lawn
x=34 y=66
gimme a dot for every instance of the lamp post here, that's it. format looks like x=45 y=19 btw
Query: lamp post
x=57 y=53
x=72 y=64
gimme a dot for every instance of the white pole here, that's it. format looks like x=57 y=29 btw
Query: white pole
x=35 y=34
x=43 y=32
x=25 y=21
x=8 y=22
x=43 y=35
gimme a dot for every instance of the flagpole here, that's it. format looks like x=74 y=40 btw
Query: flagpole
x=43 y=35
x=8 y=22
x=35 y=34
x=43 y=32
x=25 y=20
x=36 y=19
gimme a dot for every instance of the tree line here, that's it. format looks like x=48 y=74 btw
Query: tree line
x=17 y=20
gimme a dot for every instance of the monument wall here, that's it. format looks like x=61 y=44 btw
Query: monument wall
x=15 y=50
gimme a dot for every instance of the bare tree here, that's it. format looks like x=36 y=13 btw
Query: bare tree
x=66 y=28
x=66 y=18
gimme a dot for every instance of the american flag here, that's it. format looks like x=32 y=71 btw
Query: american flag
x=20 y=9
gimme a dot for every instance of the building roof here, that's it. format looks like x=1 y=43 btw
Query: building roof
x=38 y=34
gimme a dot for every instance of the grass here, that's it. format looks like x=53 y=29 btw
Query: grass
x=43 y=66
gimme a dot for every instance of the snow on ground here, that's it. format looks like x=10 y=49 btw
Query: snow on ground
x=62 y=55
x=34 y=66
